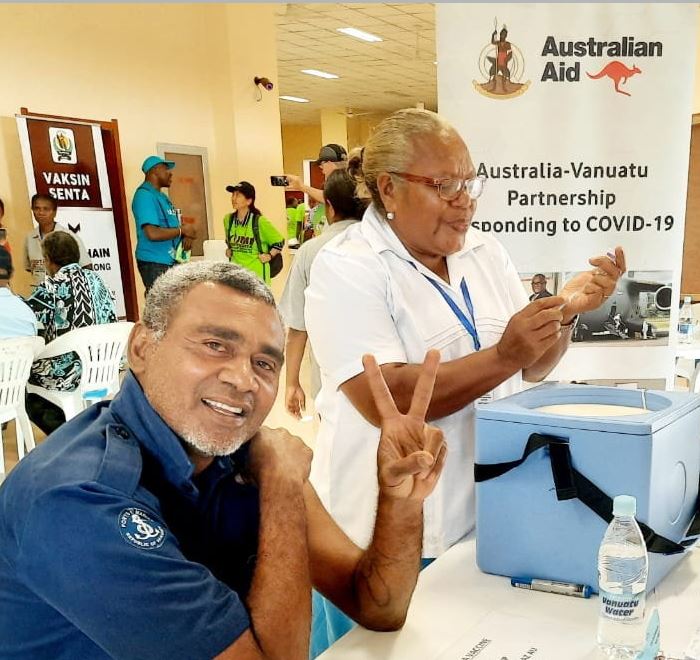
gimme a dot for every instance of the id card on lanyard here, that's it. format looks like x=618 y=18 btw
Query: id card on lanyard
x=469 y=324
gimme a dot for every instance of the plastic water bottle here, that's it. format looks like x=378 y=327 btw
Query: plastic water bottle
x=685 y=322
x=622 y=577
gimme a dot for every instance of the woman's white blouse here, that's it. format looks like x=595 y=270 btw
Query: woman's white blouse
x=368 y=295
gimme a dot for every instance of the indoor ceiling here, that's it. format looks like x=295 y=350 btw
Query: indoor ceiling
x=380 y=77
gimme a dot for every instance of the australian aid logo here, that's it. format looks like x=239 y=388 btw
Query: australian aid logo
x=613 y=62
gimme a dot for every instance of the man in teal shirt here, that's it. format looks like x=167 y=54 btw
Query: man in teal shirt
x=158 y=229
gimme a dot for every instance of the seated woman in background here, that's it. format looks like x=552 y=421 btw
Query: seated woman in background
x=70 y=297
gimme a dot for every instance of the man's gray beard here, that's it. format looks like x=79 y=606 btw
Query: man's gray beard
x=206 y=447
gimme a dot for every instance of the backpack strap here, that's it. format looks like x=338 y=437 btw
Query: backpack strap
x=228 y=224
x=255 y=224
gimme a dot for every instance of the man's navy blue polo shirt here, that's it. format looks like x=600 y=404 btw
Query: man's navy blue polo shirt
x=109 y=547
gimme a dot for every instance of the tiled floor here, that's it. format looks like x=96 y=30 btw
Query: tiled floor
x=278 y=416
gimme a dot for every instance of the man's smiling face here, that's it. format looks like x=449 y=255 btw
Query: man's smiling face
x=214 y=374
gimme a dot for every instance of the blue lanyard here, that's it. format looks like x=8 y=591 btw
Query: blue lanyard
x=469 y=324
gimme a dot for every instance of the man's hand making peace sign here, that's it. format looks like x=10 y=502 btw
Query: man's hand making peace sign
x=374 y=585
x=411 y=454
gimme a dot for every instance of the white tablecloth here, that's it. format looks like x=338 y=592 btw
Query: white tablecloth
x=454 y=603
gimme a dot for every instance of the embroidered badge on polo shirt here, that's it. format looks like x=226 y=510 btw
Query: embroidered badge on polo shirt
x=140 y=530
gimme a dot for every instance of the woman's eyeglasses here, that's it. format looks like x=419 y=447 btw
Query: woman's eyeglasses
x=448 y=189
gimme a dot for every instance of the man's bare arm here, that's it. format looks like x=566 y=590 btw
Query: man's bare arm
x=529 y=334
x=374 y=587
x=155 y=233
x=279 y=601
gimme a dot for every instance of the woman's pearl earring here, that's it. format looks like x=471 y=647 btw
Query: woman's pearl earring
x=390 y=215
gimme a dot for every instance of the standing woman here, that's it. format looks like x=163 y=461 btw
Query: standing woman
x=240 y=236
x=414 y=276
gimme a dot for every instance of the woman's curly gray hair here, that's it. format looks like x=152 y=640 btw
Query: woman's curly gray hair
x=173 y=285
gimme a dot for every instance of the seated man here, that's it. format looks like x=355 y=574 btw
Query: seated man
x=168 y=523
x=70 y=297
x=16 y=317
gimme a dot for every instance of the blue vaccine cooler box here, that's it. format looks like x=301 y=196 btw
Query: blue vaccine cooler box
x=545 y=480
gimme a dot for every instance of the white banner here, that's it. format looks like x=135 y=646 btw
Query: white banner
x=66 y=160
x=579 y=116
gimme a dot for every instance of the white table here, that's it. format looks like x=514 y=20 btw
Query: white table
x=453 y=596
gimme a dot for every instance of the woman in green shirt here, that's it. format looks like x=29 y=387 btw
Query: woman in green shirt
x=240 y=236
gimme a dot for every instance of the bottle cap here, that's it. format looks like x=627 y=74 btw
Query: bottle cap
x=624 y=505
x=687 y=299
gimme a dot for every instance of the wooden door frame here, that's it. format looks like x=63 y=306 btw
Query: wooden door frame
x=115 y=174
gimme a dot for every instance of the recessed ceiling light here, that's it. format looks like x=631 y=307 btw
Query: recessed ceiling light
x=296 y=99
x=320 y=74
x=359 y=34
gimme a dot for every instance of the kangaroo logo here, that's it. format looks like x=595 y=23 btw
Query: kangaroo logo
x=618 y=73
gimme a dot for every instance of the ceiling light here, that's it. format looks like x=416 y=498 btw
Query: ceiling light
x=359 y=34
x=296 y=99
x=320 y=74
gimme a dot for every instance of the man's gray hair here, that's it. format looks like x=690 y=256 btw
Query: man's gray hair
x=173 y=285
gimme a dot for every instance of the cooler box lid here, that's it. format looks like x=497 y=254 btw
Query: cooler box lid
x=662 y=408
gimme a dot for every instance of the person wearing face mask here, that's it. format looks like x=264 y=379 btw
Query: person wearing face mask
x=44 y=208
x=413 y=276
x=240 y=233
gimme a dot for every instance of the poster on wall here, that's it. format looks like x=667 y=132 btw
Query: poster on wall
x=66 y=160
x=578 y=116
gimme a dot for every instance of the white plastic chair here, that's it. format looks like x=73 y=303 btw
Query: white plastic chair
x=16 y=357
x=100 y=348
x=686 y=368
x=214 y=250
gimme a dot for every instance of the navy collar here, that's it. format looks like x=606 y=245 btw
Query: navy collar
x=244 y=221
x=133 y=410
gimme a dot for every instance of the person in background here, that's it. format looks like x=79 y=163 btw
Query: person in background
x=539 y=287
x=44 y=208
x=422 y=279
x=343 y=209
x=295 y=211
x=70 y=297
x=16 y=317
x=240 y=238
x=4 y=243
x=158 y=229
x=190 y=529
x=331 y=157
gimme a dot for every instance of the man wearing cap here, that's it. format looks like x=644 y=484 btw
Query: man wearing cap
x=158 y=229
x=331 y=157
x=16 y=317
